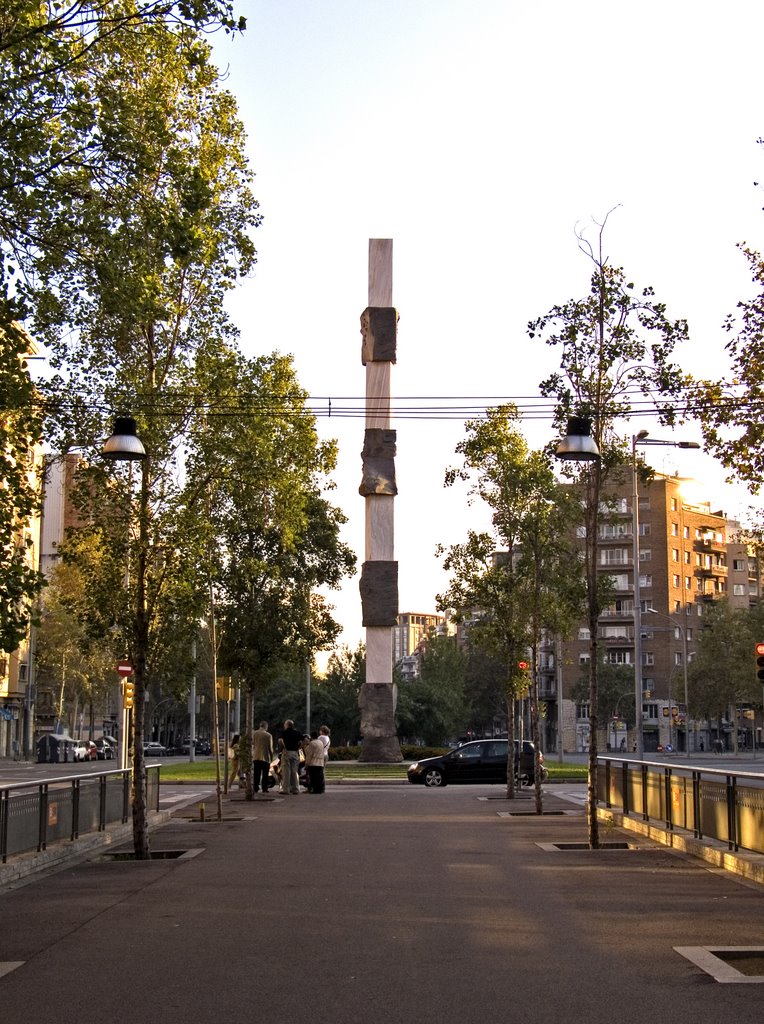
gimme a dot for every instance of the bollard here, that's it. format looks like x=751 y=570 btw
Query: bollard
x=201 y=812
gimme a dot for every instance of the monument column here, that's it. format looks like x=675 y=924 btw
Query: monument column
x=379 y=575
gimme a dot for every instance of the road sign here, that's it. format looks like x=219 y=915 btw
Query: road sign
x=124 y=668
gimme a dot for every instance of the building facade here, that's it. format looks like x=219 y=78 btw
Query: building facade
x=409 y=635
x=689 y=556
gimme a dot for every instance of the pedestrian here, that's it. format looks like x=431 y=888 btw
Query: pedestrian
x=290 y=742
x=262 y=755
x=323 y=735
x=233 y=757
x=315 y=756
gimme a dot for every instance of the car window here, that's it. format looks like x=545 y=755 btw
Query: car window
x=497 y=749
x=470 y=752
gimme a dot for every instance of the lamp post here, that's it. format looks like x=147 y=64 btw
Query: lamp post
x=124 y=445
x=643 y=438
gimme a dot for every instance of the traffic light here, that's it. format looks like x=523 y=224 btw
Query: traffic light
x=760 y=662
x=128 y=692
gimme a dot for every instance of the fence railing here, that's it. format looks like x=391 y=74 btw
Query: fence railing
x=712 y=803
x=33 y=814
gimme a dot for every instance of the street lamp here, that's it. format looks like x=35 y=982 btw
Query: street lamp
x=643 y=438
x=124 y=445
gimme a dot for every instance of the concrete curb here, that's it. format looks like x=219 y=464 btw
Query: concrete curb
x=741 y=862
x=66 y=851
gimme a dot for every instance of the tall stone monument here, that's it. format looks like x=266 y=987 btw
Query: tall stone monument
x=379 y=575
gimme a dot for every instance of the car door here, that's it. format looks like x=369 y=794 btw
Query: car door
x=494 y=766
x=465 y=763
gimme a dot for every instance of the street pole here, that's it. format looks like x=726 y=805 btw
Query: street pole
x=637 y=602
x=192 y=708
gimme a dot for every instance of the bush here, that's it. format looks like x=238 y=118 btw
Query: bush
x=409 y=753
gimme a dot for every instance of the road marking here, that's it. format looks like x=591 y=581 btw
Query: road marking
x=10 y=965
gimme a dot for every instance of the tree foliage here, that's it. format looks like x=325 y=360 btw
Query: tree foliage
x=523 y=578
x=431 y=707
x=615 y=344
x=20 y=433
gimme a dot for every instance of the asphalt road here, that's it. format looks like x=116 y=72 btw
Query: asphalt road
x=396 y=904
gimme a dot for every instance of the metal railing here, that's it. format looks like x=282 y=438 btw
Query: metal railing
x=712 y=803
x=33 y=814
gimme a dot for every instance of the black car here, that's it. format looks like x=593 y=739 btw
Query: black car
x=480 y=761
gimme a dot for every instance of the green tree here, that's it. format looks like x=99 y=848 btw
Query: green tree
x=721 y=675
x=729 y=411
x=20 y=433
x=523 y=578
x=128 y=294
x=614 y=344
x=272 y=536
x=432 y=705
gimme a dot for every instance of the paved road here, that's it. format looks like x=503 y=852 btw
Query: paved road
x=394 y=904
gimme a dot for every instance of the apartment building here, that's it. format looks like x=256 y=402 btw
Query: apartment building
x=689 y=556
x=409 y=633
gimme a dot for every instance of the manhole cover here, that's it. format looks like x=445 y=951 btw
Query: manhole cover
x=553 y=847
x=729 y=965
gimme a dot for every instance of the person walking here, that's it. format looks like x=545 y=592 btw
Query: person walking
x=262 y=755
x=315 y=754
x=233 y=755
x=290 y=742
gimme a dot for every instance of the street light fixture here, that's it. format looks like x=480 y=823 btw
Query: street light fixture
x=124 y=445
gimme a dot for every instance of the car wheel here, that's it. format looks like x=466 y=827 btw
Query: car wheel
x=434 y=777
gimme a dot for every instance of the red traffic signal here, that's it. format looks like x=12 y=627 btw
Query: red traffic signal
x=759 y=651
x=523 y=665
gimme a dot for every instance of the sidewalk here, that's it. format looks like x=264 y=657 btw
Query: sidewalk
x=393 y=904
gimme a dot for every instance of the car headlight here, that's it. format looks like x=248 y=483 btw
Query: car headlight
x=413 y=768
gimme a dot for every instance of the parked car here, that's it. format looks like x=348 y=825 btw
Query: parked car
x=480 y=761
x=153 y=749
x=105 y=751
x=85 y=750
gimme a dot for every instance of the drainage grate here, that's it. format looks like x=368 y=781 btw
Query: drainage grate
x=729 y=965
x=554 y=847
x=123 y=855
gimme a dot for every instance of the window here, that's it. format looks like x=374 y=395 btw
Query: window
x=582 y=711
x=675 y=554
x=620 y=581
x=676 y=581
x=645 y=555
x=618 y=657
x=584 y=659
x=674 y=505
x=648 y=658
x=581 y=532
x=688 y=583
x=646 y=606
x=644 y=529
x=738 y=564
x=675 y=529
x=610 y=530
x=584 y=633
x=739 y=589
x=688 y=632
x=677 y=657
x=646 y=580
x=686 y=533
x=687 y=557
x=677 y=633
x=614 y=556
x=650 y=711
x=677 y=607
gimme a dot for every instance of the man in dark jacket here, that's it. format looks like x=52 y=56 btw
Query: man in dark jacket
x=290 y=742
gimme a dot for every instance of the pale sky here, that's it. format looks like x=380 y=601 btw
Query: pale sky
x=477 y=134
